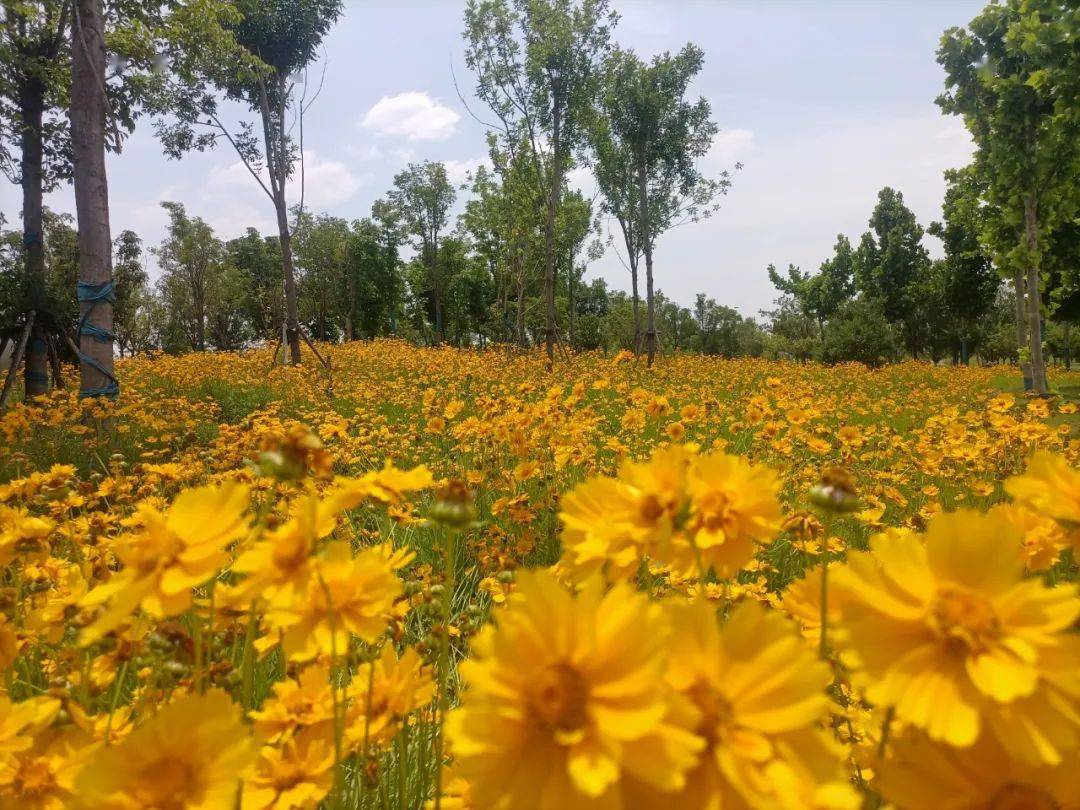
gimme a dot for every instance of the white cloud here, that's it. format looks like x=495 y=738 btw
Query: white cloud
x=458 y=171
x=581 y=178
x=414 y=115
x=326 y=182
x=730 y=145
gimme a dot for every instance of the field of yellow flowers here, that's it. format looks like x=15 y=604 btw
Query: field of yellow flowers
x=436 y=578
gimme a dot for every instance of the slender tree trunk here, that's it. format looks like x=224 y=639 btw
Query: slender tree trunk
x=571 y=282
x=1034 y=299
x=521 y=311
x=549 y=232
x=87 y=115
x=32 y=111
x=1068 y=348
x=636 y=301
x=646 y=244
x=350 y=291
x=292 y=315
x=1021 y=325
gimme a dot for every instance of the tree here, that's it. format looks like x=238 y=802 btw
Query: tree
x=1012 y=74
x=33 y=88
x=191 y=260
x=659 y=136
x=536 y=64
x=423 y=196
x=277 y=41
x=574 y=227
x=321 y=243
x=129 y=279
x=861 y=331
x=258 y=258
x=891 y=263
x=965 y=278
x=87 y=115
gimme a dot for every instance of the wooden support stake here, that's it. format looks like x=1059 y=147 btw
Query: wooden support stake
x=307 y=340
x=16 y=359
x=54 y=361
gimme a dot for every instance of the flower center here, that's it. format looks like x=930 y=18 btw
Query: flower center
x=717 y=715
x=559 y=698
x=650 y=509
x=1022 y=797
x=965 y=616
x=714 y=511
x=35 y=777
x=169 y=784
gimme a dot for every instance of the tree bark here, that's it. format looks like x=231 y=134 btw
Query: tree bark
x=1034 y=298
x=549 y=231
x=646 y=245
x=32 y=112
x=1021 y=324
x=87 y=115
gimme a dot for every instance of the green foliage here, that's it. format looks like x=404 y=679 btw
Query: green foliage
x=861 y=331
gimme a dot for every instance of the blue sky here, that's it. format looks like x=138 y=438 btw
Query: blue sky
x=823 y=101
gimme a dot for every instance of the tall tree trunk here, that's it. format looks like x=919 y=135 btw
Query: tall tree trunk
x=1034 y=298
x=87 y=115
x=292 y=315
x=520 y=327
x=32 y=111
x=571 y=282
x=636 y=301
x=549 y=231
x=1021 y=325
x=646 y=244
x=350 y=291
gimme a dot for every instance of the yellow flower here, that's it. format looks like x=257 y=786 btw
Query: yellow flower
x=565 y=701
x=278 y=568
x=348 y=596
x=169 y=555
x=759 y=691
x=1050 y=486
x=614 y=523
x=19 y=722
x=398 y=686
x=919 y=773
x=42 y=777
x=296 y=704
x=950 y=633
x=1042 y=539
x=294 y=776
x=387 y=486
x=733 y=506
x=189 y=755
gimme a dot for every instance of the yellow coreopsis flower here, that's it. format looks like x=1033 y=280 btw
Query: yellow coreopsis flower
x=613 y=523
x=171 y=553
x=277 y=569
x=294 y=776
x=733 y=506
x=19 y=722
x=42 y=777
x=759 y=690
x=919 y=773
x=1051 y=487
x=951 y=633
x=304 y=702
x=347 y=596
x=565 y=702
x=189 y=756
x=397 y=687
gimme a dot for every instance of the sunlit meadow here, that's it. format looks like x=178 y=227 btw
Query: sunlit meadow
x=447 y=578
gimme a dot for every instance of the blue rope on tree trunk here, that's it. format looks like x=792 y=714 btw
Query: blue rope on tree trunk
x=94 y=294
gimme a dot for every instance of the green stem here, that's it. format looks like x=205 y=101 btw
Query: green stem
x=826 y=528
x=444 y=658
